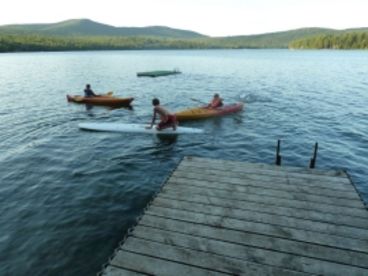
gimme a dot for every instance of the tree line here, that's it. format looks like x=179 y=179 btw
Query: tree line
x=352 y=40
x=25 y=43
x=36 y=42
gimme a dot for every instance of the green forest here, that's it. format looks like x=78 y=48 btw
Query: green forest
x=351 y=40
x=25 y=43
x=79 y=35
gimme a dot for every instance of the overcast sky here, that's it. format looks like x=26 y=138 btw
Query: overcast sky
x=209 y=17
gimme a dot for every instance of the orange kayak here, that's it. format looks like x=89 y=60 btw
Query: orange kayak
x=204 y=112
x=105 y=100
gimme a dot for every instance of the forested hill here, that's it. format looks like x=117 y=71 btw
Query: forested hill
x=348 y=40
x=84 y=34
x=270 y=40
x=86 y=27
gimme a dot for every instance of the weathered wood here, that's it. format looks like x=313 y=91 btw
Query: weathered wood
x=272 y=209
x=197 y=258
x=156 y=266
x=116 y=271
x=188 y=191
x=262 y=228
x=351 y=194
x=258 y=167
x=268 y=192
x=340 y=183
x=203 y=174
x=256 y=240
x=256 y=216
x=216 y=217
x=243 y=252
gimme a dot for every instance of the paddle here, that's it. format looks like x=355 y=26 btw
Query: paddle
x=199 y=101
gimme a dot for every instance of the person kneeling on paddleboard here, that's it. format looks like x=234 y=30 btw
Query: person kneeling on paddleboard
x=167 y=119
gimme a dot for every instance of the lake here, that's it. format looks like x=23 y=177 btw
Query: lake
x=67 y=197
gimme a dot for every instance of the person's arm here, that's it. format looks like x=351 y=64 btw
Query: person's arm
x=153 y=119
x=221 y=102
x=210 y=104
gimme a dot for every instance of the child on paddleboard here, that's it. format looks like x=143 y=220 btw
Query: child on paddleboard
x=167 y=119
x=215 y=102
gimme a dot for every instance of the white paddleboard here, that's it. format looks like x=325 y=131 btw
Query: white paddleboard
x=137 y=128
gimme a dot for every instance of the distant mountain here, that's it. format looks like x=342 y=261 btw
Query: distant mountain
x=86 y=27
x=85 y=34
x=272 y=40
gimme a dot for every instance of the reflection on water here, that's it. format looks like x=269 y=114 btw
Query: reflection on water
x=91 y=106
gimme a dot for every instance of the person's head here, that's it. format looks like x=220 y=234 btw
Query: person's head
x=88 y=86
x=155 y=102
x=216 y=95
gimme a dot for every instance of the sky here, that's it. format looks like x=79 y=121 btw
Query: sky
x=209 y=17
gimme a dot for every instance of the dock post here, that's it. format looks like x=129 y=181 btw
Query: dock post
x=312 y=163
x=278 y=156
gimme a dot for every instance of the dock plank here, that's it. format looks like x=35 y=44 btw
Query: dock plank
x=332 y=218
x=260 y=168
x=199 y=174
x=348 y=202
x=253 y=255
x=258 y=241
x=117 y=271
x=256 y=216
x=188 y=191
x=262 y=228
x=316 y=190
x=205 y=260
x=156 y=266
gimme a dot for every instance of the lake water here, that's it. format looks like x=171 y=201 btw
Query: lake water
x=67 y=197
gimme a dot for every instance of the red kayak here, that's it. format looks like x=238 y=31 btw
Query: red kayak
x=205 y=112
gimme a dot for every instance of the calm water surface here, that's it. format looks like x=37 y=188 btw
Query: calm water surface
x=67 y=196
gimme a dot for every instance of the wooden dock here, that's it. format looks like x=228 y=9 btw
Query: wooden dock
x=216 y=217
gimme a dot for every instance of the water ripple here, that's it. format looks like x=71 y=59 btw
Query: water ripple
x=65 y=193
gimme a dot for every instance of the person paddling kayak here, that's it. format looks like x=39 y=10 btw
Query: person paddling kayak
x=88 y=92
x=215 y=102
x=167 y=119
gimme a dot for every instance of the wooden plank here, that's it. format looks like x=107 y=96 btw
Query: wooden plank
x=279 y=187
x=326 y=208
x=268 y=192
x=197 y=258
x=256 y=240
x=271 y=209
x=308 y=179
x=263 y=167
x=256 y=216
x=261 y=228
x=116 y=271
x=228 y=177
x=156 y=266
x=243 y=252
